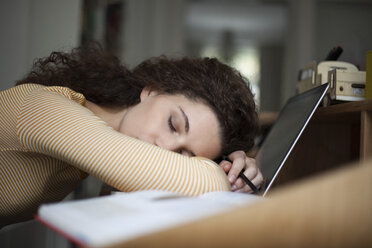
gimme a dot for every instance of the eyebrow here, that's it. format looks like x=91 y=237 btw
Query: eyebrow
x=187 y=124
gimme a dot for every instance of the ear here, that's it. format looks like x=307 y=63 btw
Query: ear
x=146 y=92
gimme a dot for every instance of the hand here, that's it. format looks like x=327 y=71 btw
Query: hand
x=241 y=161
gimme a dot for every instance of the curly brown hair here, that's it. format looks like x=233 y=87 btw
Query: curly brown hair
x=102 y=79
x=89 y=70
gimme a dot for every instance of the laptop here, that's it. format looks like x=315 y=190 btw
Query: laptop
x=284 y=134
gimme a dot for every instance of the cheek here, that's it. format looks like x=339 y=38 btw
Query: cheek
x=141 y=123
x=148 y=119
x=131 y=123
x=208 y=136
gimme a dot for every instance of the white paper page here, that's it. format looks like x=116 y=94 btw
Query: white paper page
x=104 y=220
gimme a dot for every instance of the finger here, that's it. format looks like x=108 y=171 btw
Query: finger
x=237 y=166
x=255 y=180
x=225 y=165
x=237 y=154
x=250 y=162
x=245 y=189
x=254 y=174
x=258 y=180
x=238 y=184
x=251 y=172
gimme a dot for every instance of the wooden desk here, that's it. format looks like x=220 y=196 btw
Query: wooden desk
x=336 y=135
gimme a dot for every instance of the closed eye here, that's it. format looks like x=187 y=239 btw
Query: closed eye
x=170 y=124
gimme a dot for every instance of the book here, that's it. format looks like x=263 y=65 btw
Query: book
x=107 y=220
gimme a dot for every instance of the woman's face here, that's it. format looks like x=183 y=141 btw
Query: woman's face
x=175 y=123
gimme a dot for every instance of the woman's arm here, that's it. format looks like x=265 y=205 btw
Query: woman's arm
x=52 y=122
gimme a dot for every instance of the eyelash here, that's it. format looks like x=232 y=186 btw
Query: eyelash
x=173 y=129
x=170 y=124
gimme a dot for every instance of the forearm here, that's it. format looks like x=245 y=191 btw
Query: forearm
x=52 y=124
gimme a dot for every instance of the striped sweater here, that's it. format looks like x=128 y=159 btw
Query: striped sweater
x=49 y=142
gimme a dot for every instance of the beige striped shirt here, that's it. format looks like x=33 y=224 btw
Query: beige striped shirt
x=49 y=142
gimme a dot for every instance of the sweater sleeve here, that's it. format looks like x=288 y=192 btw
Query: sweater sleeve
x=53 y=122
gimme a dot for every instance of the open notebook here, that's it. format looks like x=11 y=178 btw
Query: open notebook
x=107 y=220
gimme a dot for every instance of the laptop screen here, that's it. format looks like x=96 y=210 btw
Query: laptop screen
x=285 y=132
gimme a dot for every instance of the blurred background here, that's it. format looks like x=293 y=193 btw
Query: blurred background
x=268 y=41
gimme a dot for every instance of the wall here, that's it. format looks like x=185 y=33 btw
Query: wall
x=346 y=24
x=316 y=26
x=271 y=76
x=31 y=29
x=152 y=28
x=299 y=44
